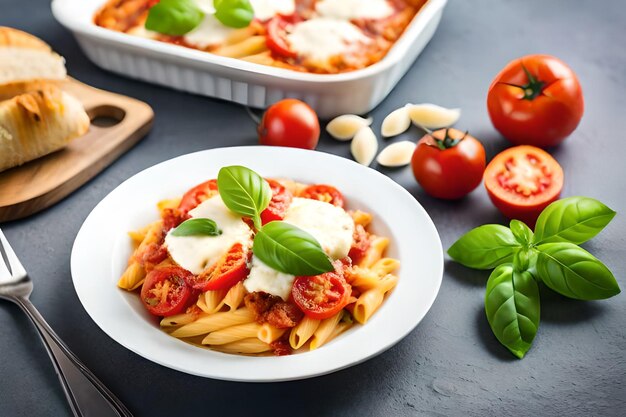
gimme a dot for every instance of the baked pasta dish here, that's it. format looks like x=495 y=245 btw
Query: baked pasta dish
x=317 y=36
x=247 y=265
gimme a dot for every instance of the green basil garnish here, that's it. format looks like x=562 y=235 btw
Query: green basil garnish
x=575 y=273
x=234 y=13
x=550 y=254
x=244 y=191
x=174 y=17
x=512 y=308
x=485 y=247
x=573 y=219
x=197 y=227
x=291 y=250
x=522 y=233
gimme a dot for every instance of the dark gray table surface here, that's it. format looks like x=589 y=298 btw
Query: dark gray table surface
x=450 y=364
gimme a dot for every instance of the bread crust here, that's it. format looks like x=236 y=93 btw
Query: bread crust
x=18 y=38
x=37 y=123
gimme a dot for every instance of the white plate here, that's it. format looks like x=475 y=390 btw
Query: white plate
x=102 y=247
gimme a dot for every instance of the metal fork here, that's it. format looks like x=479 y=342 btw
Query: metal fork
x=86 y=394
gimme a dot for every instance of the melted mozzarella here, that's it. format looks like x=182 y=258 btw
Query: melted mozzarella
x=330 y=225
x=266 y=9
x=324 y=37
x=195 y=253
x=267 y=279
x=209 y=32
x=354 y=9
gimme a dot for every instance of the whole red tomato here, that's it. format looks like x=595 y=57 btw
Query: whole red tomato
x=290 y=122
x=535 y=100
x=448 y=163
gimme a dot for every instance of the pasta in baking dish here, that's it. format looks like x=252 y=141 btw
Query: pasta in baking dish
x=317 y=36
x=213 y=290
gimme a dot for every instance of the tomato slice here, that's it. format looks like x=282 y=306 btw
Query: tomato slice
x=197 y=195
x=325 y=193
x=281 y=198
x=360 y=244
x=321 y=296
x=276 y=39
x=165 y=291
x=521 y=181
x=229 y=270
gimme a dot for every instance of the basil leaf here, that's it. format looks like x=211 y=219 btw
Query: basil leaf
x=234 y=13
x=291 y=250
x=572 y=219
x=197 y=227
x=485 y=247
x=174 y=17
x=522 y=233
x=512 y=308
x=244 y=191
x=574 y=272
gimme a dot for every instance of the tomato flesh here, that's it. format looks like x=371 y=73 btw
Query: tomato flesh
x=276 y=39
x=536 y=100
x=197 y=195
x=281 y=199
x=325 y=193
x=225 y=273
x=522 y=181
x=165 y=291
x=360 y=244
x=321 y=296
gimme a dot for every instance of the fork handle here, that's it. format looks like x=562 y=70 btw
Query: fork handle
x=88 y=397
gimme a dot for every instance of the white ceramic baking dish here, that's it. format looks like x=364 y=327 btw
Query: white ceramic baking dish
x=243 y=82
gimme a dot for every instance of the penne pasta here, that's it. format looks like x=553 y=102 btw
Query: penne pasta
x=269 y=333
x=232 y=334
x=180 y=319
x=385 y=266
x=371 y=299
x=171 y=203
x=361 y=218
x=249 y=46
x=302 y=332
x=324 y=330
x=341 y=327
x=133 y=277
x=375 y=251
x=213 y=322
x=251 y=345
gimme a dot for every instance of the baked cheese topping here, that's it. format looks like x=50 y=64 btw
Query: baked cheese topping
x=195 y=253
x=209 y=32
x=354 y=9
x=324 y=37
x=267 y=279
x=266 y=9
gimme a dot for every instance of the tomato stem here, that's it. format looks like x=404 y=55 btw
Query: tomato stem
x=534 y=86
x=448 y=142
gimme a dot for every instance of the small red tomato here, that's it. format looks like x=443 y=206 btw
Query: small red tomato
x=278 y=205
x=448 y=163
x=522 y=181
x=165 y=291
x=291 y=123
x=325 y=193
x=197 y=195
x=277 y=37
x=535 y=100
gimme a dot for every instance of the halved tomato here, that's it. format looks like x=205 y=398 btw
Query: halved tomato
x=521 y=181
x=225 y=273
x=281 y=198
x=165 y=291
x=276 y=39
x=325 y=193
x=321 y=296
x=197 y=195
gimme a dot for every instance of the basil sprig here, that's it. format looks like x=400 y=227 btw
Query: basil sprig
x=244 y=192
x=280 y=245
x=234 y=13
x=197 y=227
x=291 y=250
x=174 y=17
x=551 y=254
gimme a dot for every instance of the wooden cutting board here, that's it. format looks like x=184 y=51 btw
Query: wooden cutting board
x=41 y=183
